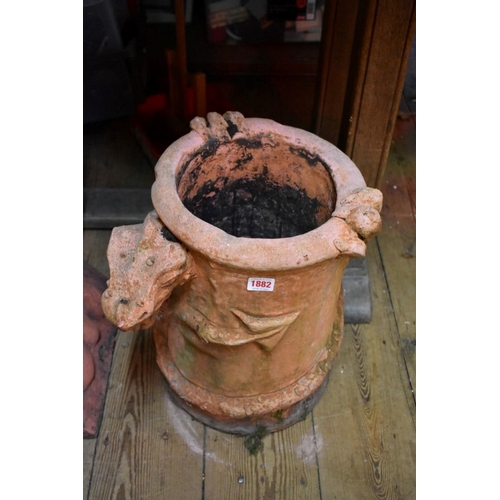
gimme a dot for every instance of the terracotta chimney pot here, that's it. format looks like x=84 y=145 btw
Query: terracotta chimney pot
x=239 y=268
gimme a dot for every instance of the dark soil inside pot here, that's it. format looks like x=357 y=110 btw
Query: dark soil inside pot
x=255 y=208
x=259 y=188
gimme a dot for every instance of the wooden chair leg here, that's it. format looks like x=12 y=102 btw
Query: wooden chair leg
x=173 y=84
x=200 y=94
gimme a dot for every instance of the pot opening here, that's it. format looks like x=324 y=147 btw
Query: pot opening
x=257 y=188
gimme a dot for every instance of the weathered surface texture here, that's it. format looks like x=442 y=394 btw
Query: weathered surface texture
x=145 y=268
x=250 y=339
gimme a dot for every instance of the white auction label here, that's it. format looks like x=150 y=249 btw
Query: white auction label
x=260 y=284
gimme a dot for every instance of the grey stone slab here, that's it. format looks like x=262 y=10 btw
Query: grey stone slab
x=105 y=208
x=357 y=295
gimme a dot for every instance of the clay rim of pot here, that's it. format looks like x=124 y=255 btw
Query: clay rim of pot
x=259 y=253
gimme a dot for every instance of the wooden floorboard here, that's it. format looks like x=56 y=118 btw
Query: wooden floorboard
x=95 y=245
x=146 y=448
x=358 y=443
x=366 y=417
x=113 y=158
x=397 y=240
x=285 y=468
x=88 y=463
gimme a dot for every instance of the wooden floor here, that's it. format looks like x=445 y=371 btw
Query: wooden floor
x=359 y=441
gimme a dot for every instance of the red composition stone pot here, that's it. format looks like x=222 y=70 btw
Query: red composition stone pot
x=239 y=268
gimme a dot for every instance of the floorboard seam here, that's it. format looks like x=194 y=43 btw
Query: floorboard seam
x=203 y=462
x=317 y=458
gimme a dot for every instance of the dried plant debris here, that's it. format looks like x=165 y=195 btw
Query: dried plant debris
x=253 y=443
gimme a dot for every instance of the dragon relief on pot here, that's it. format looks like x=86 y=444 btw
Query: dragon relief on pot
x=144 y=269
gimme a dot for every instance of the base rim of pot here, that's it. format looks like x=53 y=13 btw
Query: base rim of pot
x=262 y=425
x=246 y=415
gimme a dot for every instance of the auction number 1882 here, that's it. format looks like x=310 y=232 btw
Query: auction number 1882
x=260 y=284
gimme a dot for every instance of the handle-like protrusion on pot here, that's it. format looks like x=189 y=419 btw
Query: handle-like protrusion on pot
x=144 y=269
x=219 y=127
x=361 y=212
